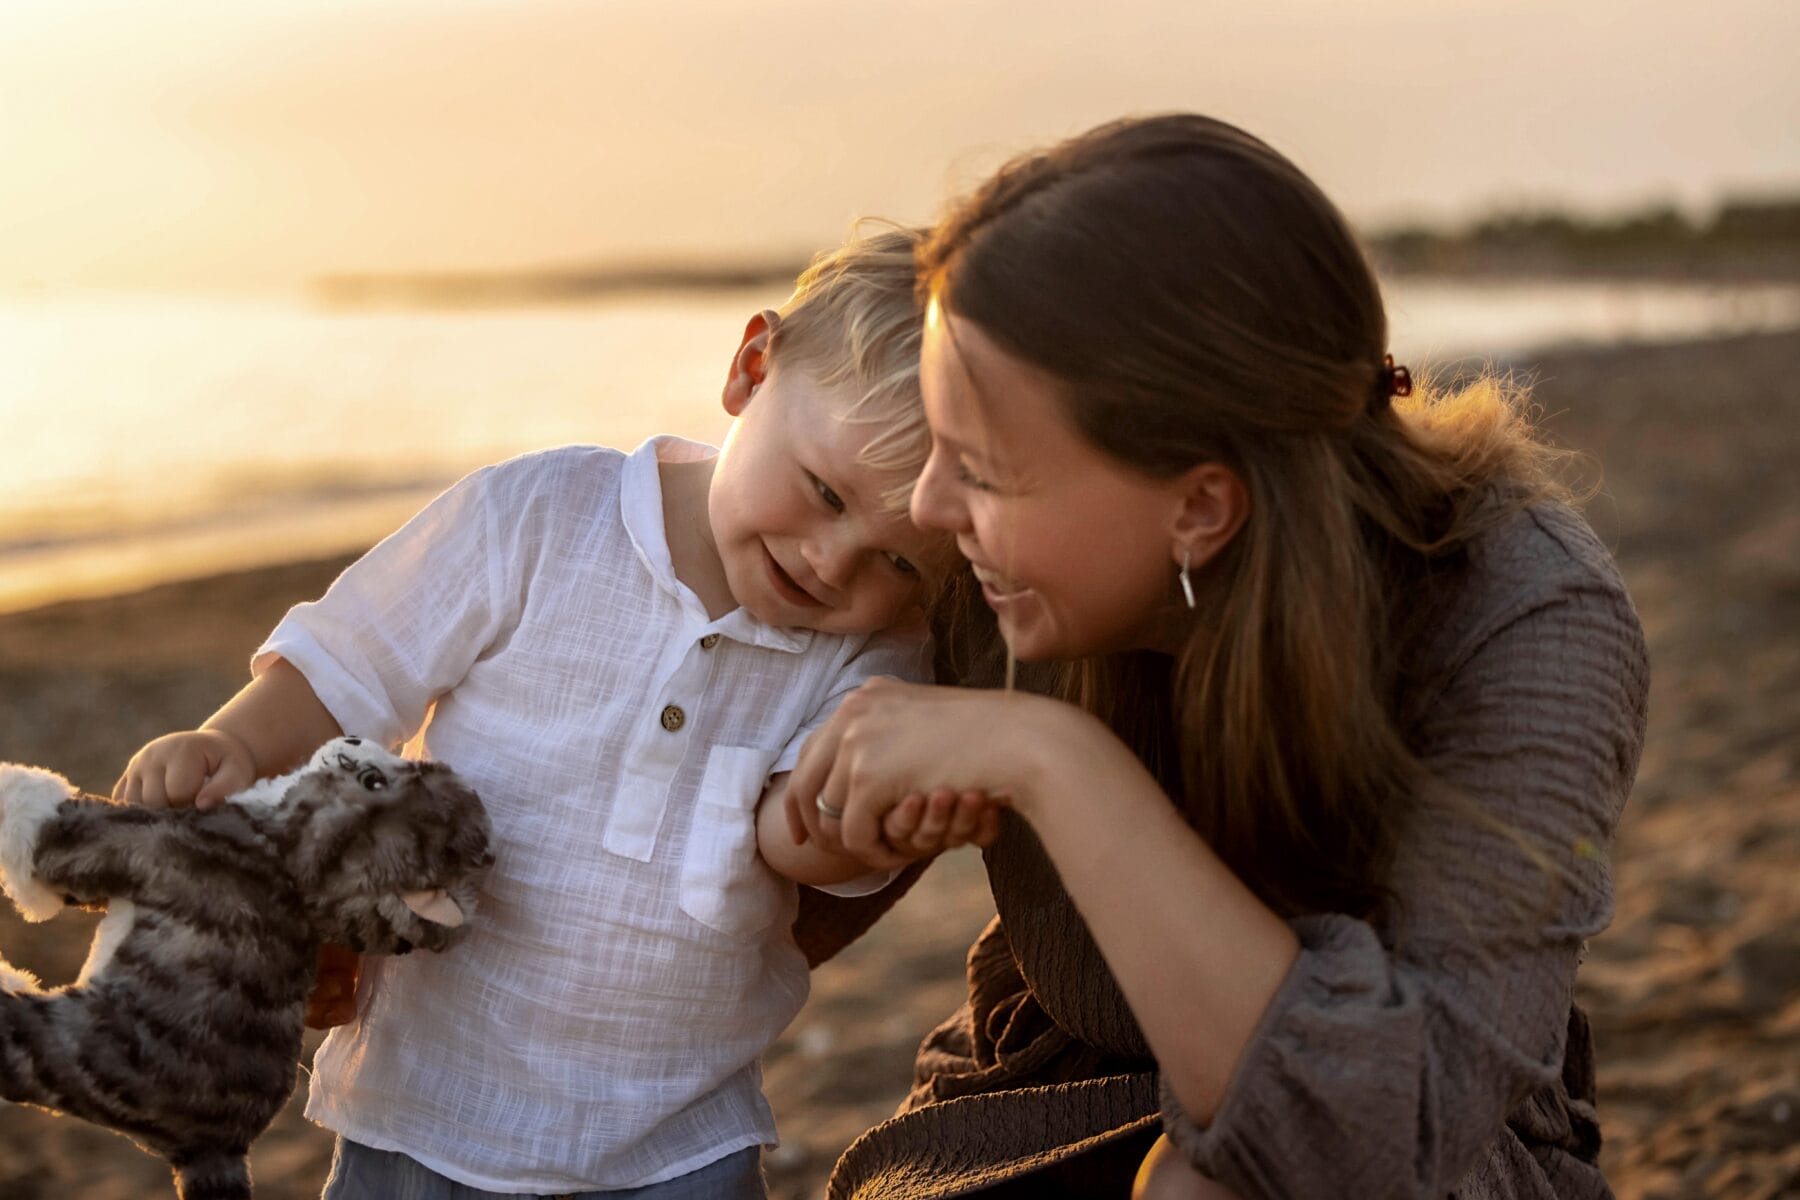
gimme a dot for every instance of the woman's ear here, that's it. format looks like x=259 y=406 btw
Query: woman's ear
x=750 y=365
x=1212 y=504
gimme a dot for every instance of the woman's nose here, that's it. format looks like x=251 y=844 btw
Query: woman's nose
x=936 y=502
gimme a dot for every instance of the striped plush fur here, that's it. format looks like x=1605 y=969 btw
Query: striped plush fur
x=183 y=1031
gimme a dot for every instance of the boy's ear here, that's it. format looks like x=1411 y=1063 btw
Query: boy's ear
x=1211 y=504
x=750 y=365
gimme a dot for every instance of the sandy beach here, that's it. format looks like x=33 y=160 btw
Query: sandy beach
x=1694 y=992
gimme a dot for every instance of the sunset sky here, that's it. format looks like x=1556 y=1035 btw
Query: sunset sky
x=262 y=142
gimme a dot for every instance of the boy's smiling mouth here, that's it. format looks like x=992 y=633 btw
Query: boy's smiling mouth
x=785 y=585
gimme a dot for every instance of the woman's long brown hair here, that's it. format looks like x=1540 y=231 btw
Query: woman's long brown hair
x=1199 y=299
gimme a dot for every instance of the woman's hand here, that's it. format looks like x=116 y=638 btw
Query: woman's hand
x=875 y=770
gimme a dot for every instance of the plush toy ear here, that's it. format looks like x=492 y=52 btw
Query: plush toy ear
x=435 y=906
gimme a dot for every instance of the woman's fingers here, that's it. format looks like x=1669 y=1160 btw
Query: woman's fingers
x=859 y=831
x=827 y=816
x=817 y=757
x=796 y=818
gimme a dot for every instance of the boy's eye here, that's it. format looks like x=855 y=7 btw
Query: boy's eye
x=832 y=500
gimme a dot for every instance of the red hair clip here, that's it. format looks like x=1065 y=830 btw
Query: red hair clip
x=1395 y=381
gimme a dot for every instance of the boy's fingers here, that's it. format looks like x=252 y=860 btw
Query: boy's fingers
x=937 y=814
x=902 y=821
x=988 y=832
x=151 y=793
x=184 y=776
x=967 y=816
x=227 y=780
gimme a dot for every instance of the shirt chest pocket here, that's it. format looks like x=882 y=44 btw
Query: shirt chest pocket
x=725 y=884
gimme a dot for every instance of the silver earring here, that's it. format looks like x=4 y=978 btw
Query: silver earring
x=1187 y=586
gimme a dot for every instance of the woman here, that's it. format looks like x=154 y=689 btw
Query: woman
x=1334 y=710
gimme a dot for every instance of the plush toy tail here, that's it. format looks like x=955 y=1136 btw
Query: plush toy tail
x=213 y=1175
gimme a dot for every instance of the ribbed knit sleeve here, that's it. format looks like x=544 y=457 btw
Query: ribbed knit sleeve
x=1395 y=1049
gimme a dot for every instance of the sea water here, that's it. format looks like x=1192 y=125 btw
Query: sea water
x=151 y=437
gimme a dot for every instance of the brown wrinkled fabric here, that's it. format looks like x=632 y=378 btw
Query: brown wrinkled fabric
x=1433 y=1049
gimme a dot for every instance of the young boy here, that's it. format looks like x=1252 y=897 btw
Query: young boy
x=622 y=654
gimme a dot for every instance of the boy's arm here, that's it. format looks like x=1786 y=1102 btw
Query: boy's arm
x=803 y=862
x=278 y=718
x=267 y=728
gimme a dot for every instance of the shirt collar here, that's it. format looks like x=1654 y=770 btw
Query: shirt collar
x=641 y=509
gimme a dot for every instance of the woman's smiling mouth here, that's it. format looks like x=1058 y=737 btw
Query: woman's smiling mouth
x=995 y=586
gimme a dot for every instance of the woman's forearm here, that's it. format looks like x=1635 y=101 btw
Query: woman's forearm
x=1196 y=954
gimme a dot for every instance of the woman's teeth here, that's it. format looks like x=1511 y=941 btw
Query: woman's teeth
x=995 y=582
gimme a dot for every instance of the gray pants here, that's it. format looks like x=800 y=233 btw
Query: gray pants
x=359 y=1172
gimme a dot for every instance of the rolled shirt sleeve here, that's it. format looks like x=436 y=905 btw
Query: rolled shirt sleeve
x=405 y=622
x=1395 y=1048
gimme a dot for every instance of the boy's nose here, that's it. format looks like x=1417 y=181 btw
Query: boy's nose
x=833 y=560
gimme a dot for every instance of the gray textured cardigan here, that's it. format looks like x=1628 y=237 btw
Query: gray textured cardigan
x=1431 y=1050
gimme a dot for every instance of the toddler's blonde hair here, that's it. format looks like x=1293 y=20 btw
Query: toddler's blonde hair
x=853 y=324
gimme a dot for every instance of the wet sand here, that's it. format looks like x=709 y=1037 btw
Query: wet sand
x=1694 y=991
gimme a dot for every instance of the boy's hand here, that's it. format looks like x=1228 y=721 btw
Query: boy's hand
x=200 y=766
x=333 y=999
x=921 y=826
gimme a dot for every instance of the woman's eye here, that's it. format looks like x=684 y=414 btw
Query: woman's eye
x=970 y=479
x=903 y=566
x=372 y=780
x=832 y=500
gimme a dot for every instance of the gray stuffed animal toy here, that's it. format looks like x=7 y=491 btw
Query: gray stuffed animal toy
x=183 y=1031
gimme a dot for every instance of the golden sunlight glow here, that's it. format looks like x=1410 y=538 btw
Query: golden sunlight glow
x=216 y=142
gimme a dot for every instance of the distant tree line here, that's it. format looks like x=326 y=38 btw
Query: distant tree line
x=1743 y=238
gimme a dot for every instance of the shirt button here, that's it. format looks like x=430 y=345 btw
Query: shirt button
x=709 y=641
x=673 y=718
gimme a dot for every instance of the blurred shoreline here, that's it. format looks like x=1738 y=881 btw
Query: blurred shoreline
x=158 y=438
x=1694 y=992
x=1745 y=239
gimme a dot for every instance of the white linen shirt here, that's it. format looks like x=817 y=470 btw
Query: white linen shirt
x=600 y=1026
